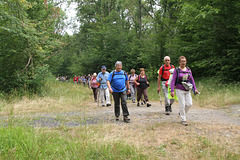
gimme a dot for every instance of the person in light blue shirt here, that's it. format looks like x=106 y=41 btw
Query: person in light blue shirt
x=117 y=82
x=103 y=89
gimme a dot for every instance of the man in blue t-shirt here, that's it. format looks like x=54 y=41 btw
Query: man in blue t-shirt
x=103 y=89
x=117 y=82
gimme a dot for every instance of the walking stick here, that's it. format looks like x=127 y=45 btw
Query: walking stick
x=160 y=98
x=98 y=97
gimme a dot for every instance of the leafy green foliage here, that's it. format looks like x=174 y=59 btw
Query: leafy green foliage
x=27 y=37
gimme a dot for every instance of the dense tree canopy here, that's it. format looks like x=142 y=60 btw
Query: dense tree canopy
x=137 y=32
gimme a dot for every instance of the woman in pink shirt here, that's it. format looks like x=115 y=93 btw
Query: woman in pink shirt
x=94 y=86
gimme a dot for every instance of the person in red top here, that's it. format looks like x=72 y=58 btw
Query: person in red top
x=164 y=76
x=75 y=79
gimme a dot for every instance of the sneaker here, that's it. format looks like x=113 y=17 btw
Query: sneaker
x=103 y=105
x=117 y=118
x=126 y=119
x=148 y=104
x=184 y=123
x=108 y=105
x=141 y=103
x=138 y=104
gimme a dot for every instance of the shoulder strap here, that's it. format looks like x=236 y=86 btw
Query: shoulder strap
x=138 y=77
x=171 y=66
x=113 y=74
x=146 y=77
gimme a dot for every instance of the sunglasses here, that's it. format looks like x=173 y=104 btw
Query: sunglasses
x=167 y=60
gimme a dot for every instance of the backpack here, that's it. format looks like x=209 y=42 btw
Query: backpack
x=131 y=76
x=124 y=73
x=163 y=79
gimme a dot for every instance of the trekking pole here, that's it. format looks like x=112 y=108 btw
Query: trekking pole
x=160 y=98
x=98 y=97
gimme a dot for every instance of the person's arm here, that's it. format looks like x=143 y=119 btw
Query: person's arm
x=109 y=87
x=109 y=79
x=135 y=81
x=194 y=85
x=127 y=84
x=174 y=77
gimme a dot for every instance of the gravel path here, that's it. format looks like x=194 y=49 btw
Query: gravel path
x=142 y=114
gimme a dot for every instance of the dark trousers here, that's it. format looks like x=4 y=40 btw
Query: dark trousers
x=141 y=91
x=117 y=96
x=95 y=92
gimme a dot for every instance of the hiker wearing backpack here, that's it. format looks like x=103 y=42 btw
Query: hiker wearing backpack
x=118 y=86
x=103 y=89
x=133 y=87
x=94 y=86
x=164 y=76
x=184 y=83
x=142 y=85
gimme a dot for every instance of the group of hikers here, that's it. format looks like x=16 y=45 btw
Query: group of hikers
x=175 y=83
x=63 y=78
x=82 y=79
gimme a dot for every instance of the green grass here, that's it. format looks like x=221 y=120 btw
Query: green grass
x=213 y=93
x=28 y=143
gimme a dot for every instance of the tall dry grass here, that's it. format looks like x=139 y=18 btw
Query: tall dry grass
x=56 y=97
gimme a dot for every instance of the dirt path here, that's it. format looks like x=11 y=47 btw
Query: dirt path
x=139 y=115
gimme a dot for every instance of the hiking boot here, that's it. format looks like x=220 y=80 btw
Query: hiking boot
x=184 y=123
x=148 y=104
x=144 y=101
x=103 y=105
x=167 y=110
x=108 y=105
x=138 y=105
x=126 y=119
x=170 y=108
x=141 y=103
x=117 y=118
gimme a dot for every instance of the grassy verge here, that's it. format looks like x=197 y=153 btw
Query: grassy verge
x=110 y=141
x=27 y=143
x=213 y=93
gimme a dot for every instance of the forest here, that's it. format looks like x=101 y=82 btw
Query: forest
x=34 y=46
